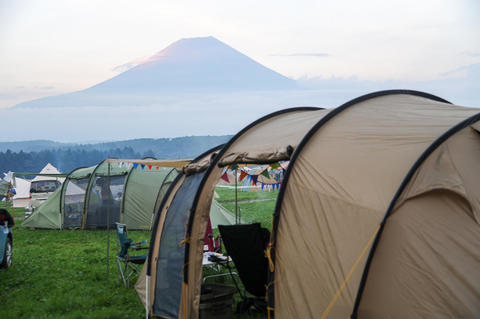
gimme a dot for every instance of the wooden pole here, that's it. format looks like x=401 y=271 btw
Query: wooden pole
x=10 y=198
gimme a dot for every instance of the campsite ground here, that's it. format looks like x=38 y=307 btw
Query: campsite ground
x=62 y=274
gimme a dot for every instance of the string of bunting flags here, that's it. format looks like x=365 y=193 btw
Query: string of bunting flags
x=267 y=176
x=137 y=165
x=262 y=176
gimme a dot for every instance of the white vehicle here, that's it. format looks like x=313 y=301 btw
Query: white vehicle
x=42 y=186
x=39 y=192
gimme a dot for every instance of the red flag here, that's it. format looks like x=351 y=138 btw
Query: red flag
x=225 y=177
x=242 y=175
x=157 y=167
x=149 y=167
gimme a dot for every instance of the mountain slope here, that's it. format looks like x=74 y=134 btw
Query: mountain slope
x=194 y=65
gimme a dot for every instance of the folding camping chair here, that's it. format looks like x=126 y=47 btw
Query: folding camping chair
x=131 y=264
x=246 y=245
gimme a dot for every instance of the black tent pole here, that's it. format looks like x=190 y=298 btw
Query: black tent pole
x=236 y=199
x=108 y=223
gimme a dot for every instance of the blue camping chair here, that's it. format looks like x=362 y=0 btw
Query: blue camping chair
x=128 y=265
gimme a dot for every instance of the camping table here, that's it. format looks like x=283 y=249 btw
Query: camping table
x=216 y=265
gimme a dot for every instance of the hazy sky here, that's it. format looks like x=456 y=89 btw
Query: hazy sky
x=54 y=46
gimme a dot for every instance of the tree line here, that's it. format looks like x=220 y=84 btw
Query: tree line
x=65 y=160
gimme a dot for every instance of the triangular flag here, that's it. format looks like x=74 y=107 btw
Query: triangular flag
x=254 y=179
x=135 y=165
x=149 y=167
x=242 y=175
x=225 y=177
x=143 y=166
x=119 y=164
x=265 y=173
x=233 y=166
x=157 y=167
x=263 y=185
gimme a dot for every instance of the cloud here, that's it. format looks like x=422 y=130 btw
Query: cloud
x=318 y=55
x=131 y=64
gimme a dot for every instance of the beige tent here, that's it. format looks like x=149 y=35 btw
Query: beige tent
x=48 y=169
x=378 y=216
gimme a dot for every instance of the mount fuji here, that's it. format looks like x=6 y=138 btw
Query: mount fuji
x=189 y=66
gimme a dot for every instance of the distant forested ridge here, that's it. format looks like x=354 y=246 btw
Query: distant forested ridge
x=32 y=156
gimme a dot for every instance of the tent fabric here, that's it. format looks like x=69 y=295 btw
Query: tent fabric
x=171 y=254
x=430 y=260
x=272 y=140
x=377 y=216
x=141 y=285
x=200 y=214
x=47 y=215
x=246 y=245
x=219 y=215
x=345 y=200
x=141 y=186
x=22 y=196
x=91 y=196
x=48 y=169
x=437 y=203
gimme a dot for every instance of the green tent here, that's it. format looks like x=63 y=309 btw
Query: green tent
x=93 y=197
x=219 y=215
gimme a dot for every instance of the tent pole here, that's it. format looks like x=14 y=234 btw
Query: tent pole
x=108 y=223
x=10 y=198
x=236 y=199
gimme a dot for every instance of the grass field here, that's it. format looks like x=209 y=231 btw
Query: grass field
x=63 y=274
x=255 y=206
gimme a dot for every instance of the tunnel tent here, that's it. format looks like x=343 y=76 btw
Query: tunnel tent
x=378 y=214
x=121 y=193
x=167 y=258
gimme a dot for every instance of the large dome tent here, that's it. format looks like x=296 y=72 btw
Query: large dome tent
x=378 y=214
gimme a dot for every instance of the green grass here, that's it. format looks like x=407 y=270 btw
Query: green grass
x=255 y=206
x=228 y=194
x=63 y=274
x=255 y=212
